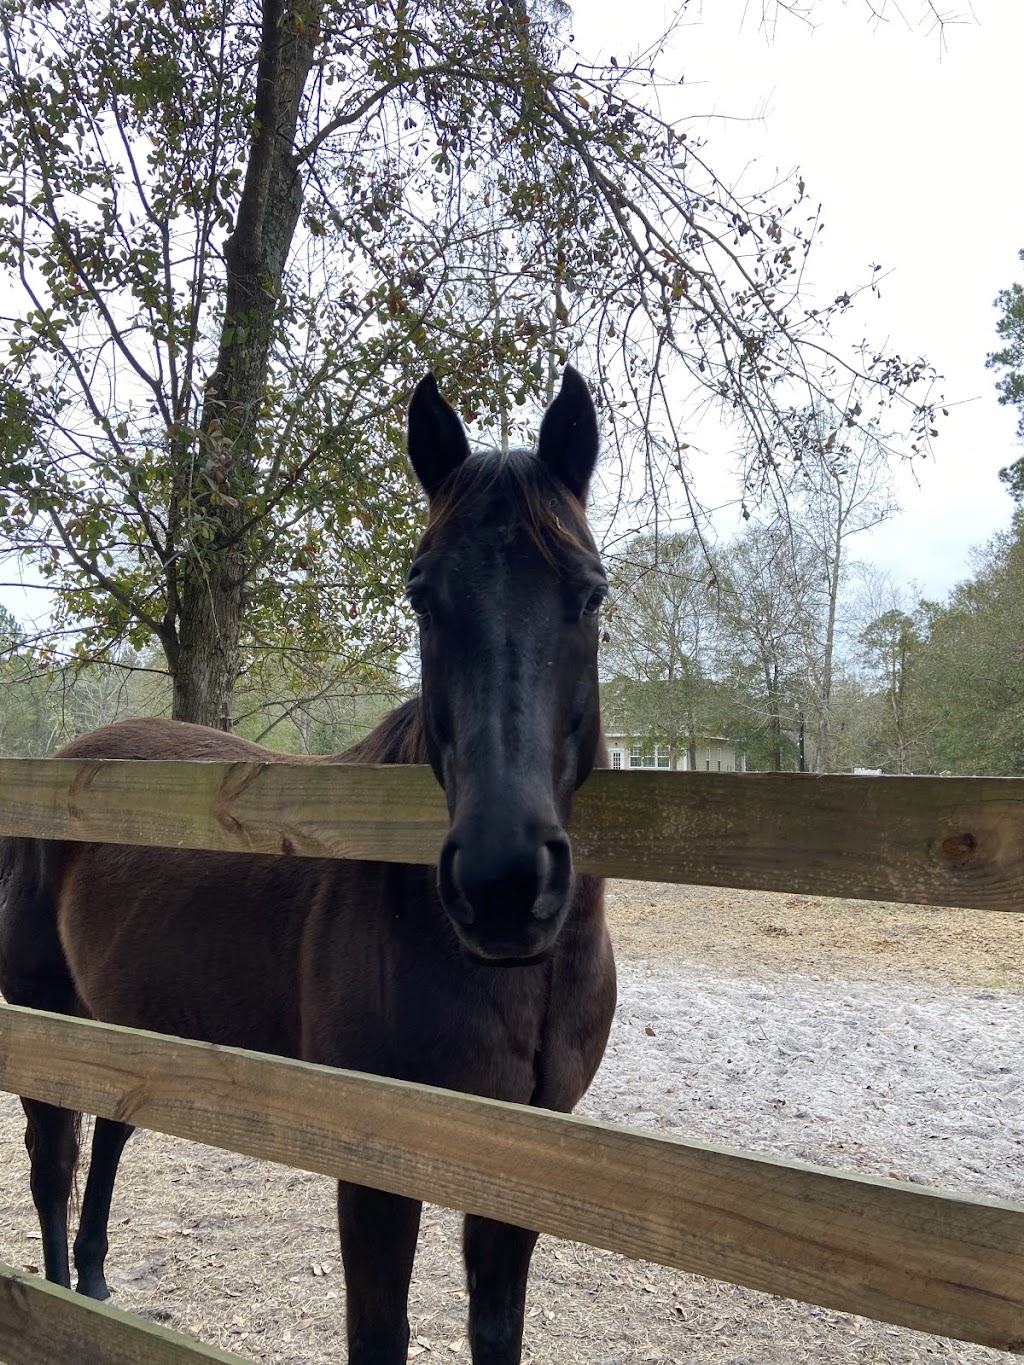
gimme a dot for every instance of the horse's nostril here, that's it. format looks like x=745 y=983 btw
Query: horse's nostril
x=560 y=857
x=450 y=883
x=544 y=865
x=506 y=896
x=554 y=866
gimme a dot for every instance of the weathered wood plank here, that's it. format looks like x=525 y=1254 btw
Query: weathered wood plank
x=938 y=841
x=41 y=1324
x=924 y=840
x=937 y=1262
x=320 y=811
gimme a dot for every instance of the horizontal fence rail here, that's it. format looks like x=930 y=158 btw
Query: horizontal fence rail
x=937 y=1262
x=41 y=1324
x=929 y=840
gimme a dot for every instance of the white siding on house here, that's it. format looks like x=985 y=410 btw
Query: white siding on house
x=715 y=755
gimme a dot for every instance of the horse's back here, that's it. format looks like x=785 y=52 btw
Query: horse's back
x=155 y=737
x=396 y=738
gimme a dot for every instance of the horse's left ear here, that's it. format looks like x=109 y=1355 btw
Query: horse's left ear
x=437 y=439
x=568 y=438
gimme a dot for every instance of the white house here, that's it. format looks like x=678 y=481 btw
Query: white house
x=715 y=754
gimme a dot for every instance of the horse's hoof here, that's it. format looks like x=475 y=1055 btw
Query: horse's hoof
x=93 y=1288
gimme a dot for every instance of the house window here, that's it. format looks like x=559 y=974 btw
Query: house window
x=616 y=758
x=707 y=764
x=635 y=757
x=662 y=756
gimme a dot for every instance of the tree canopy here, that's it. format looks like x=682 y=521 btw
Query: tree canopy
x=660 y=617
x=238 y=233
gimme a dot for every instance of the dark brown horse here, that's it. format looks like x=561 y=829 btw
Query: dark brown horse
x=491 y=973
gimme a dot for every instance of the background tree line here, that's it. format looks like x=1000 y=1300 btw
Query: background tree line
x=46 y=701
x=762 y=641
x=699 y=641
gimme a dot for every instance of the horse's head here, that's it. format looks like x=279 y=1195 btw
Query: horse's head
x=507 y=584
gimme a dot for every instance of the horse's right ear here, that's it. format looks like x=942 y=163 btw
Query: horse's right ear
x=437 y=439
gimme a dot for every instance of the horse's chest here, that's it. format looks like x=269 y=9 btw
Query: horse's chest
x=485 y=1038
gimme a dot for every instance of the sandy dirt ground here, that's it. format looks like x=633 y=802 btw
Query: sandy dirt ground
x=726 y=997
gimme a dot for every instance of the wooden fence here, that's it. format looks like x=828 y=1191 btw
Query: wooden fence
x=936 y=1261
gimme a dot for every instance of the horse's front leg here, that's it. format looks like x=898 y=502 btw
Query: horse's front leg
x=497 y=1264
x=378 y=1243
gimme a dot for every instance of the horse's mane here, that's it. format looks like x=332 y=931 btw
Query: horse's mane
x=398 y=738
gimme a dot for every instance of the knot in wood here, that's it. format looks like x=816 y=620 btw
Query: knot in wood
x=958 y=848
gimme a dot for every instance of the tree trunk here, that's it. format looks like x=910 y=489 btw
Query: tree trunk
x=821 y=758
x=899 y=712
x=223 y=473
x=209 y=633
x=771 y=678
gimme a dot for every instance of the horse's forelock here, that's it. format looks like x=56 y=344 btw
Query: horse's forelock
x=549 y=511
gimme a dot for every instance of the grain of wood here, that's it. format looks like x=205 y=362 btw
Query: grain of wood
x=916 y=840
x=928 y=1260
x=41 y=1323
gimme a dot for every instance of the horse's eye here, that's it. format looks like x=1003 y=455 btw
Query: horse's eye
x=594 y=601
x=417 y=599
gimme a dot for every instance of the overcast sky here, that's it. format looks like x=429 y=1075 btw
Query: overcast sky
x=913 y=150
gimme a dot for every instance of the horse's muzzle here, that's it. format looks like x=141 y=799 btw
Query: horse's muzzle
x=507 y=901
